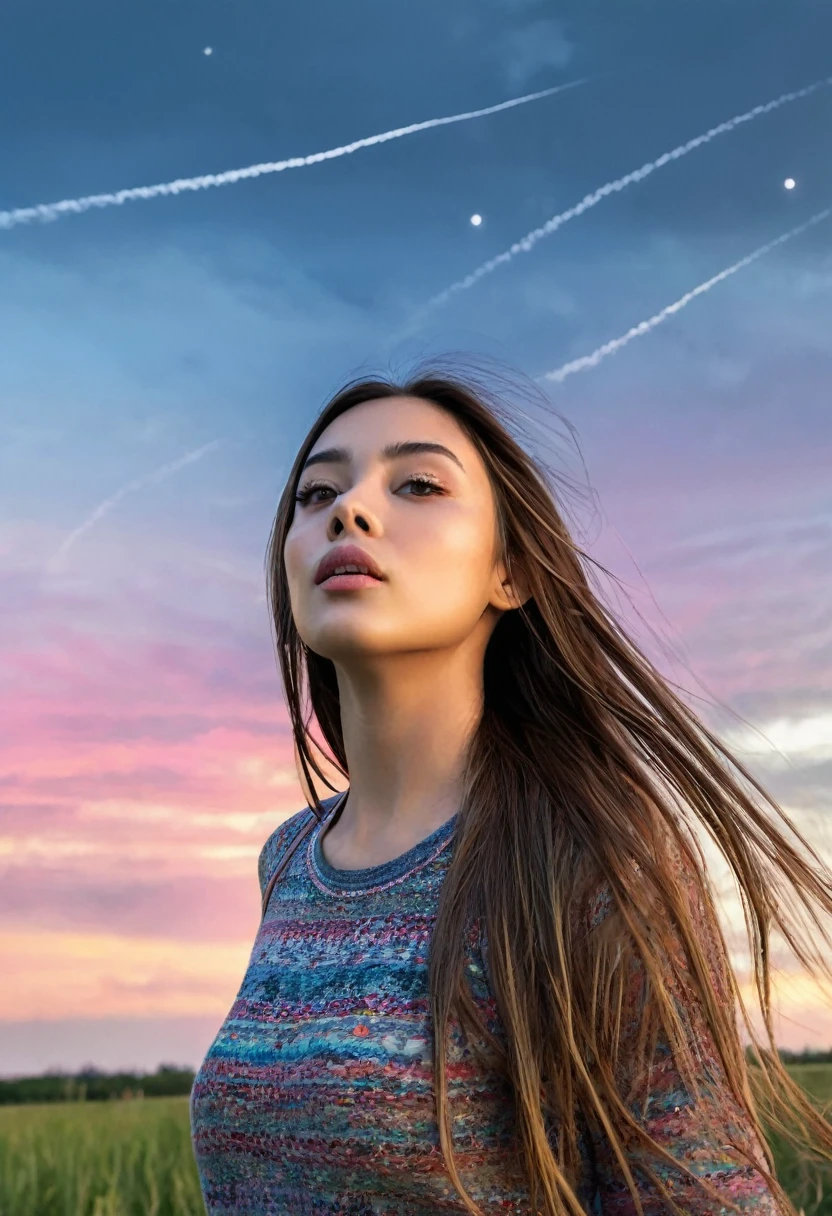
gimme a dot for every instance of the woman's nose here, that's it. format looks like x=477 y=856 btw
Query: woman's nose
x=337 y=525
x=346 y=517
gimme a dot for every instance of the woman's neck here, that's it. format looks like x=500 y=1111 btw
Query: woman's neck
x=407 y=721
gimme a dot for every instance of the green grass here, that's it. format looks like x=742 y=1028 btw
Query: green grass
x=812 y=1195
x=135 y=1159
x=98 y=1159
x=816 y=1078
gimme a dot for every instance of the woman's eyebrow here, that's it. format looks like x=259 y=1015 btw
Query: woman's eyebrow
x=328 y=456
x=409 y=447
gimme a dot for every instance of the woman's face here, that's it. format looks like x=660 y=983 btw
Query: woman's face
x=399 y=479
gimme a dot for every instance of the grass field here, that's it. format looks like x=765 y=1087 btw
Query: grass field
x=814 y=1199
x=134 y=1158
x=98 y=1159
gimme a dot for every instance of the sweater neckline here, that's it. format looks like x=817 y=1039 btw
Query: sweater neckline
x=372 y=878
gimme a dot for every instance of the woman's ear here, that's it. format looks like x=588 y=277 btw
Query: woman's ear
x=510 y=588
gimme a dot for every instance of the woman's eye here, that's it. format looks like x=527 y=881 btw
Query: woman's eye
x=310 y=494
x=423 y=487
x=314 y=493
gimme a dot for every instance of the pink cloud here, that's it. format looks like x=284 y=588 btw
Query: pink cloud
x=193 y=908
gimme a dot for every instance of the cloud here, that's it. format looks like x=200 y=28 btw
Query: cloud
x=136 y=483
x=815 y=281
x=87 y=974
x=172 y=334
x=534 y=48
x=109 y=1043
x=192 y=908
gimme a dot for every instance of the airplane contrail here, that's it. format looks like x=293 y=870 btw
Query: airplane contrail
x=53 y=211
x=591 y=200
x=137 y=483
x=644 y=327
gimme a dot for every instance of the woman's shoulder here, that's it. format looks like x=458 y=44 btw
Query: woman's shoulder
x=597 y=910
x=282 y=838
x=601 y=914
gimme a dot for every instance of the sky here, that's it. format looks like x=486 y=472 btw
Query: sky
x=162 y=359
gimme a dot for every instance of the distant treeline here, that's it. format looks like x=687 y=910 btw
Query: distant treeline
x=796 y=1057
x=170 y=1081
x=90 y=1085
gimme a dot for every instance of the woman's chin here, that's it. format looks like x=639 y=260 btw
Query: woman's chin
x=353 y=641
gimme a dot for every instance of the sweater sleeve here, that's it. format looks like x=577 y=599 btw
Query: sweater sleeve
x=696 y=1131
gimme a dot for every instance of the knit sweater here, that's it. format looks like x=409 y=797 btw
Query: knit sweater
x=316 y=1096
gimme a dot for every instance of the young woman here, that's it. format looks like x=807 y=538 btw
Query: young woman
x=489 y=975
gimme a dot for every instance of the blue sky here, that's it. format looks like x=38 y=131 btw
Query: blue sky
x=145 y=758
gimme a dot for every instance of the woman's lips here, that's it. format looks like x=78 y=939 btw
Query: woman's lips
x=349 y=582
x=347 y=567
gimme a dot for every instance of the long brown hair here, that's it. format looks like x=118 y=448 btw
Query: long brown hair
x=585 y=769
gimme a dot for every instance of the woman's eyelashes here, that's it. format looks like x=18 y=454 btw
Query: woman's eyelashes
x=422 y=485
x=306 y=494
x=425 y=482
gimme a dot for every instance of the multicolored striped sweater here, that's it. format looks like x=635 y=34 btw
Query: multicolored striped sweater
x=316 y=1096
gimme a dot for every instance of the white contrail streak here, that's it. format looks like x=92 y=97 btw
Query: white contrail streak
x=107 y=505
x=591 y=200
x=53 y=211
x=644 y=327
